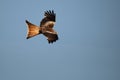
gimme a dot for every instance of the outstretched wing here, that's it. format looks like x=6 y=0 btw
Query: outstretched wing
x=51 y=35
x=48 y=20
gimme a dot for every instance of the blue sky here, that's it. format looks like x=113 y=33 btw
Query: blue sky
x=88 y=48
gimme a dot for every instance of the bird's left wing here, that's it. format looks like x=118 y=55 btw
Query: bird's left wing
x=51 y=35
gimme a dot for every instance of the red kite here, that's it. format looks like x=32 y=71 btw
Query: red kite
x=45 y=28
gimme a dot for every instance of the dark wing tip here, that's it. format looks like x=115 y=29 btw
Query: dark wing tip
x=49 y=13
x=53 y=40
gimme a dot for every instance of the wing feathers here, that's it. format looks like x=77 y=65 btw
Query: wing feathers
x=49 y=16
x=51 y=37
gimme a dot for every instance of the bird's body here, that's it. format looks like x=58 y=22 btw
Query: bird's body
x=45 y=28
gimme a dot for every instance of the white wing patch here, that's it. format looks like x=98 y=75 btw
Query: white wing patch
x=49 y=24
x=51 y=32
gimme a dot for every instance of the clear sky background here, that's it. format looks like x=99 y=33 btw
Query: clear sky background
x=88 y=47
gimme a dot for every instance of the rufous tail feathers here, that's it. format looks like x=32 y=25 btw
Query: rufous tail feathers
x=33 y=30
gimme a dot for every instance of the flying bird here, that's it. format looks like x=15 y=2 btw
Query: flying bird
x=45 y=28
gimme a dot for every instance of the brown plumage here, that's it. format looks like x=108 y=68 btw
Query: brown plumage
x=45 y=28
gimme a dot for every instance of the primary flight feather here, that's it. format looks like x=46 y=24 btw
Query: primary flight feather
x=45 y=28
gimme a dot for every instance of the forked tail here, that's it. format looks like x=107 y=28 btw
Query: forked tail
x=33 y=30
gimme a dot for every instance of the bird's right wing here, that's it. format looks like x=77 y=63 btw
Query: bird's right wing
x=48 y=20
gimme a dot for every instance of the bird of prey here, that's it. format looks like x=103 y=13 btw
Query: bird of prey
x=45 y=28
